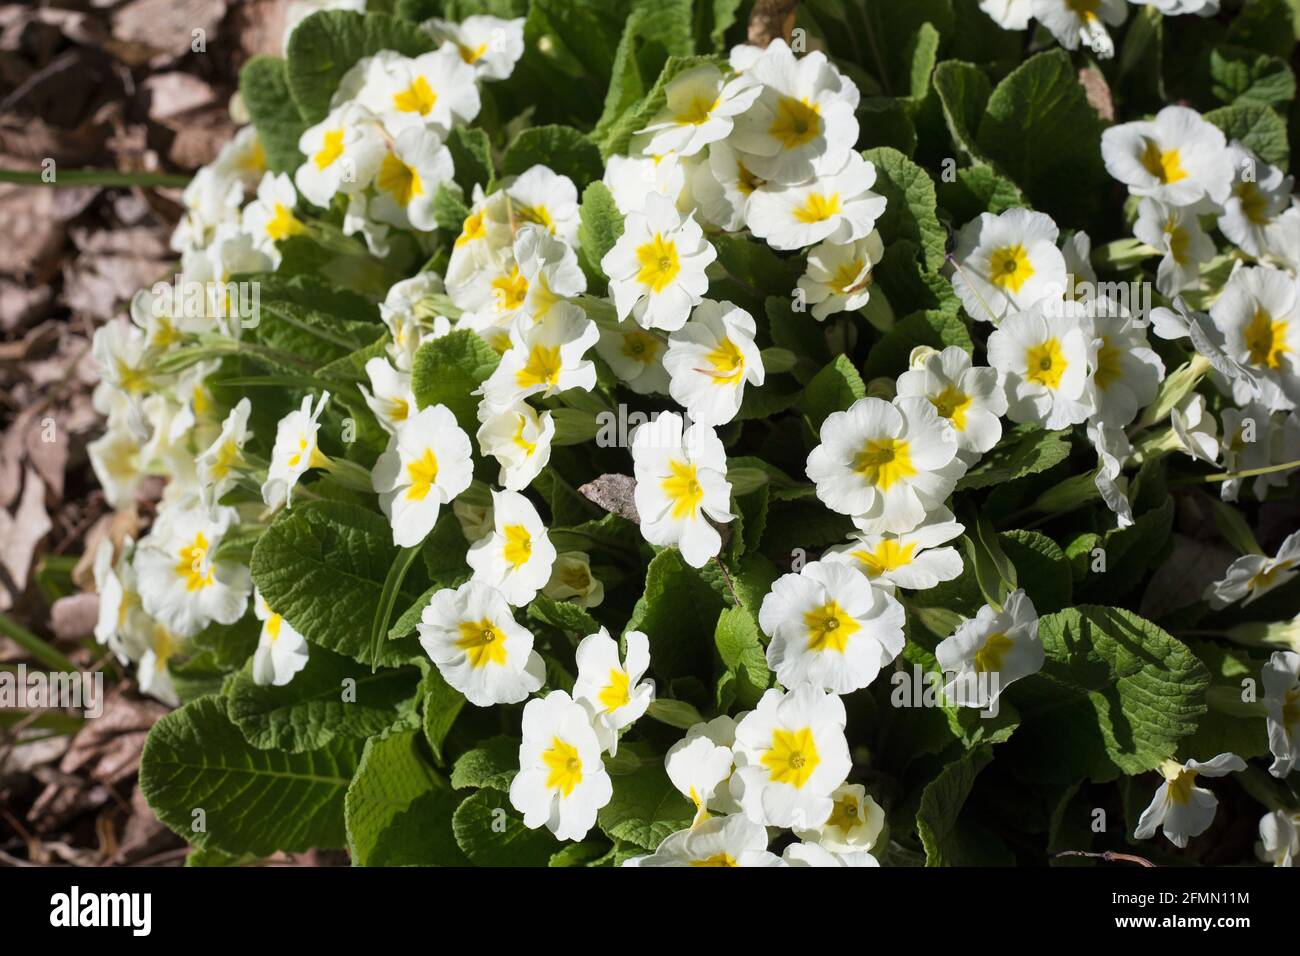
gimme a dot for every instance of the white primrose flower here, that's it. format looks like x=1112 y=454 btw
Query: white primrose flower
x=410 y=310
x=209 y=203
x=519 y=438
x=829 y=627
x=539 y=196
x=299 y=10
x=710 y=359
x=700 y=108
x=970 y=397
x=1173 y=8
x=343 y=153
x=1279 y=838
x=562 y=782
x=1207 y=342
x=408 y=178
x=991 y=651
x=122 y=358
x=295 y=451
x=838 y=276
x=550 y=268
x=656 y=268
x=612 y=691
x=1260 y=194
x=1007 y=263
x=436 y=90
x=635 y=355
x=700 y=765
x=1253 y=438
x=1281 y=680
x=681 y=486
x=912 y=559
x=115 y=458
x=1178 y=157
x=803 y=121
x=544 y=358
x=791 y=755
x=152 y=673
x=1009 y=14
x=572 y=580
x=1082 y=21
x=475 y=520
x=887 y=465
x=516 y=557
x=725 y=841
x=1043 y=359
x=389 y=396
x=121 y=624
x=1175 y=232
x=631 y=179
x=1076 y=249
x=426 y=465
x=1252 y=576
x=1195 y=428
x=281 y=651
x=722 y=187
x=853 y=826
x=1126 y=373
x=181 y=585
x=219 y=466
x=813 y=854
x=1258 y=314
x=491 y=45
x=1113 y=451
x=1182 y=809
x=269 y=218
x=837 y=206
x=480 y=650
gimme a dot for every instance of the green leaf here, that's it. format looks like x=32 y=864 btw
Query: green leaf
x=253 y=801
x=491 y=833
x=447 y=370
x=678 y=610
x=442 y=705
x=322 y=565
x=1257 y=127
x=833 y=389
x=325 y=45
x=910 y=213
x=1025 y=450
x=310 y=710
x=493 y=764
x=601 y=225
x=932 y=327
x=949 y=840
x=264 y=86
x=471 y=154
x=674 y=713
x=562 y=148
x=1239 y=75
x=740 y=645
x=1040 y=129
x=755 y=265
x=398 y=810
x=1115 y=696
x=963 y=93
x=645 y=807
x=1042 y=568
x=979 y=189
x=564 y=615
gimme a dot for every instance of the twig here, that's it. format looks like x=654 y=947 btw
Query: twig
x=727 y=578
x=1109 y=856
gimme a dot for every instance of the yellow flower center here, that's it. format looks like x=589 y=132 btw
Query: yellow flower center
x=640 y=346
x=482 y=642
x=1291 y=709
x=683 y=490
x=615 y=694
x=728 y=364
x=330 y=150
x=227 y=458
x=283 y=224
x=399 y=180
x=419 y=97
x=1045 y=364
x=472 y=228
x=564 y=764
x=718 y=859
x=1009 y=267
x=1109 y=364
x=1181 y=784
x=884 y=462
x=1085 y=10
x=659 y=263
x=273 y=624
x=1266 y=339
x=537 y=215
x=829 y=627
x=510 y=290
x=520 y=441
x=890 y=555
x=519 y=545
x=952 y=403
x=1164 y=165
x=698 y=112
x=1253 y=203
x=472 y=55
x=818 y=207
x=1177 y=238
x=796 y=122
x=423 y=472
x=991 y=656
x=542 y=368
x=849 y=278
x=193 y=564
x=844 y=814
x=792 y=757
